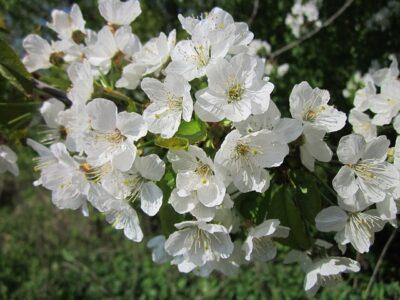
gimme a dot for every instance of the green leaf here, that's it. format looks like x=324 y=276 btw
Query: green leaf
x=253 y=206
x=13 y=69
x=174 y=143
x=10 y=113
x=308 y=196
x=282 y=206
x=195 y=131
x=168 y=216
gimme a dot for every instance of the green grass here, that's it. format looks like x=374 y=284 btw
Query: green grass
x=46 y=253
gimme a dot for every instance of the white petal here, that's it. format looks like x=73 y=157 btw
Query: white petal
x=332 y=218
x=150 y=198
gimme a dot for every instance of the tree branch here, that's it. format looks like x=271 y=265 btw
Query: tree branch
x=56 y=93
x=256 y=5
x=312 y=32
x=378 y=264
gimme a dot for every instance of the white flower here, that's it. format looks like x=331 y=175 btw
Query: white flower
x=282 y=70
x=132 y=74
x=196 y=172
x=42 y=55
x=76 y=124
x=156 y=245
x=384 y=74
x=113 y=134
x=50 y=110
x=257 y=46
x=364 y=97
x=156 y=52
x=81 y=76
x=288 y=129
x=327 y=272
x=259 y=244
x=68 y=25
x=228 y=267
x=111 y=45
x=198 y=242
x=122 y=216
x=386 y=104
x=322 y=271
x=362 y=124
x=190 y=58
x=311 y=106
x=355 y=227
x=8 y=160
x=61 y=174
x=138 y=182
x=118 y=12
x=170 y=102
x=364 y=168
x=314 y=147
x=222 y=22
x=243 y=158
x=235 y=90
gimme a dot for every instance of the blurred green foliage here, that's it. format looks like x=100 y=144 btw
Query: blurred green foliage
x=51 y=254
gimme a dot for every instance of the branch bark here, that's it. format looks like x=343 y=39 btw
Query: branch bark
x=256 y=5
x=379 y=262
x=56 y=93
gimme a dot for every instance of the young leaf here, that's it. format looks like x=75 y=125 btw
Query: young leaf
x=174 y=143
x=195 y=131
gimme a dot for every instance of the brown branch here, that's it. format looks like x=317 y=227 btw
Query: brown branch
x=312 y=32
x=256 y=6
x=379 y=262
x=56 y=93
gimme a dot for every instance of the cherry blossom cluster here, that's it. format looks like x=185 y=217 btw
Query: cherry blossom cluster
x=303 y=13
x=95 y=150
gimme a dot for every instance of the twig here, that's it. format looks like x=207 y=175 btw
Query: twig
x=256 y=6
x=59 y=94
x=378 y=264
x=312 y=32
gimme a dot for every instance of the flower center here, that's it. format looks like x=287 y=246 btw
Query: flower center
x=312 y=114
x=134 y=182
x=204 y=171
x=363 y=170
x=202 y=57
x=235 y=93
x=57 y=58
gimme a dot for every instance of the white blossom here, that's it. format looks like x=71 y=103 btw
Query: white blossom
x=362 y=124
x=197 y=242
x=112 y=135
x=311 y=107
x=68 y=25
x=355 y=227
x=243 y=158
x=235 y=90
x=386 y=104
x=138 y=182
x=259 y=244
x=156 y=245
x=191 y=58
x=314 y=147
x=364 y=168
x=170 y=102
x=118 y=12
x=8 y=160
